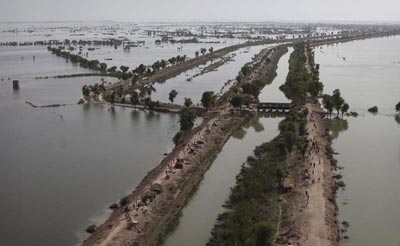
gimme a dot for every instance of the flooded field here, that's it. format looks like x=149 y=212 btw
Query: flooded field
x=62 y=167
x=367 y=74
x=211 y=81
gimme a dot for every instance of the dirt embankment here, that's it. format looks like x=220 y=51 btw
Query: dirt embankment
x=309 y=210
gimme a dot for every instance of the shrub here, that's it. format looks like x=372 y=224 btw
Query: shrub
x=373 y=109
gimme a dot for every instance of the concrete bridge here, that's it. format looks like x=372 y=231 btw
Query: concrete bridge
x=273 y=107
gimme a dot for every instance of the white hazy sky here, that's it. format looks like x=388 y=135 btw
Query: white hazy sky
x=183 y=10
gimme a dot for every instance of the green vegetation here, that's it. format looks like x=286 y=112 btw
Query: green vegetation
x=188 y=102
x=397 y=107
x=134 y=98
x=187 y=117
x=345 y=108
x=95 y=89
x=208 y=99
x=296 y=81
x=171 y=96
x=123 y=72
x=240 y=99
x=373 y=109
x=214 y=66
x=335 y=101
x=253 y=204
x=91 y=229
x=150 y=104
x=178 y=138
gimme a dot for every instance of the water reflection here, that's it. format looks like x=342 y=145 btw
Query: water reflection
x=254 y=123
x=135 y=115
x=337 y=126
x=239 y=133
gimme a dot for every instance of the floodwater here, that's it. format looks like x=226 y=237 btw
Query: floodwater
x=211 y=81
x=199 y=216
x=367 y=74
x=62 y=167
x=146 y=54
x=271 y=93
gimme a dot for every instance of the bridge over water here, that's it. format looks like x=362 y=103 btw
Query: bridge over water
x=273 y=107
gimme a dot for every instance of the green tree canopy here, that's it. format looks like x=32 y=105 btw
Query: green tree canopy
x=327 y=103
x=172 y=95
x=237 y=100
x=187 y=118
x=398 y=107
x=345 y=108
x=188 y=102
x=208 y=99
x=337 y=101
x=124 y=69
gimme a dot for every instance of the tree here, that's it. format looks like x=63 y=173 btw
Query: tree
x=315 y=88
x=337 y=101
x=134 y=98
x=85 y=91
x=345 y=108
x=245 y=70
x=237 y=100
x=187 y=118
x=211 y=49
x=156 y=66
x=124 y=76
x=172 y=95
x=124 y=69
x=197 y=53
x=178 y=138
x=141 y=69
x=328 y=104
x=290 y=140
x=398 y=107
x=303 y=149
x=264 y=233
x=188 y=102
x=203 y=51
x=135 y=79
x=163 y=63
x=112 y=97
x=207 y=99
x=172 y=60
x=103 y=67
x=247 y=100
x=112 y=69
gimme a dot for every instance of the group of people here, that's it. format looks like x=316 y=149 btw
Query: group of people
x=314 y=148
